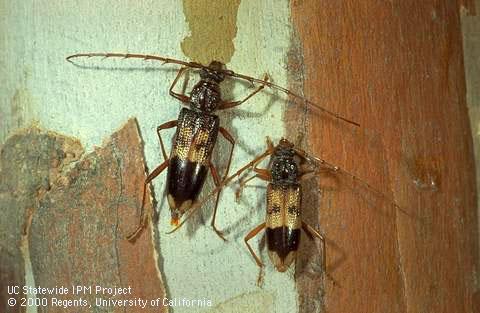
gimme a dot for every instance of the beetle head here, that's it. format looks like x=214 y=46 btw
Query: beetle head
x=213 y=72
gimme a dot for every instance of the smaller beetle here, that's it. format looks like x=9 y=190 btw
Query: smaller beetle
x=283 y=222
x=283 y=219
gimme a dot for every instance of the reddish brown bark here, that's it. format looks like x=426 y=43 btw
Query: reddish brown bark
x=397 y=69
x=77 y=216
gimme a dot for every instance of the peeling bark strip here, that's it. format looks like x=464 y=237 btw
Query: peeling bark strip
x=396 y=68
x=81 y=216
x=29 y=162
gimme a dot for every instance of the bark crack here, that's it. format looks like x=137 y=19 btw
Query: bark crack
x=117 y=205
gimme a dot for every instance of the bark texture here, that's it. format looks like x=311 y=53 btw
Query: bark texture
x=397 y=69
x=71 y=217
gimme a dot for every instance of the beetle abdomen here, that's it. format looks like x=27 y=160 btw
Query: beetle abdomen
x=185 y=180
x=282 y=244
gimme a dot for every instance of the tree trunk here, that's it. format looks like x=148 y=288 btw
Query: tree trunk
x=397 y=69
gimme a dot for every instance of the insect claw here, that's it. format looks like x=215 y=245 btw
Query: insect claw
x=261 y=274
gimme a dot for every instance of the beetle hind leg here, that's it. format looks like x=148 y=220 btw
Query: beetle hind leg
x=216 y=180
x=146 y=215
x=312 y=233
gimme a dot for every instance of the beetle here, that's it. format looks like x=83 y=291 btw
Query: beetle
x=196 y=133
x=283 y=221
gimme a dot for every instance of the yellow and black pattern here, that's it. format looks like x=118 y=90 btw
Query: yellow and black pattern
x=283 y=206
x=195 y=137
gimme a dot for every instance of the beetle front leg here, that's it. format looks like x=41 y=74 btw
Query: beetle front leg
x=231 y=104
x=179 y=96
x=263 y=174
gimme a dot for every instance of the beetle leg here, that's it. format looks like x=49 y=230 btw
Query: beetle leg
x=231 y=104
x=166 y=125
x=178 y=96
x=238 y=192
x=216 y=180
x=144 y=216
x=261 y=273
x=308 y=175
x=225 y=182
x=263 y=174
x=228 y=137
x=311 y=232
x=249 y=236
x=250 y=164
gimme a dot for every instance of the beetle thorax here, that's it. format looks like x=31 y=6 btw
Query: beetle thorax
x=205 y=96
x=284 y=167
